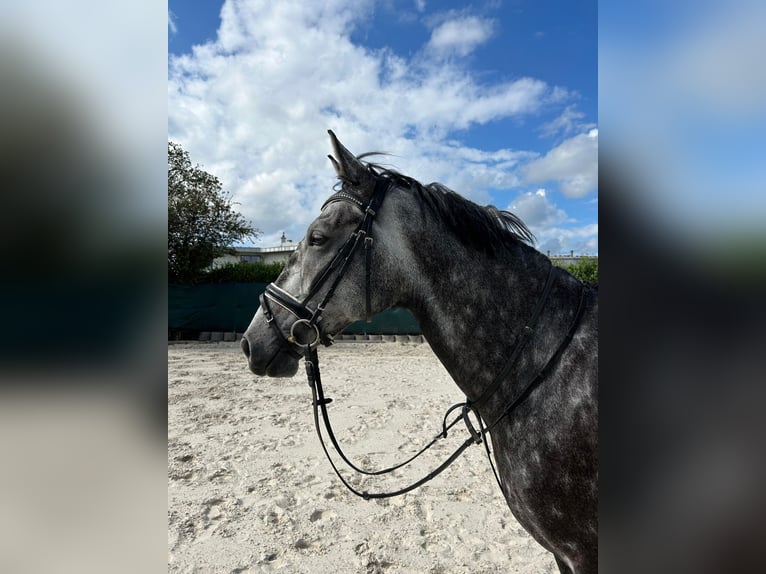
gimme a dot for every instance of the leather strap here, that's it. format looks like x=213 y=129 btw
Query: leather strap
x=320 y=402
x=269 y=315
x=523 y=338
x=339 y=263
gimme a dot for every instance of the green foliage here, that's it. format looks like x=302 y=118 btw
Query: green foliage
x=202 y=223
x=586 y=269
x=244 y=273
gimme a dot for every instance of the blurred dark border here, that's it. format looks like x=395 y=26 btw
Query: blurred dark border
x=83 y=350
x=681 y=398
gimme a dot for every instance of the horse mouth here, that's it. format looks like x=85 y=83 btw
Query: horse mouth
x=281 y=365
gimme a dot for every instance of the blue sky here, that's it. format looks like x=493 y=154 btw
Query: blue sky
x=497 y=100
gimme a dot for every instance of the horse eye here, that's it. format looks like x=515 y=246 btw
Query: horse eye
x=316 y=238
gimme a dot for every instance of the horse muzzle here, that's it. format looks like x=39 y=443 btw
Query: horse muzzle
x=268 y=360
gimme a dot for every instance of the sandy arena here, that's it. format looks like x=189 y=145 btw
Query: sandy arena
x=249 y=488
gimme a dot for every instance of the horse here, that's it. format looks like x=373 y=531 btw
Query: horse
x=518 y=335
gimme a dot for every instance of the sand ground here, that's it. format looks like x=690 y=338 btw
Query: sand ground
x=249 y=489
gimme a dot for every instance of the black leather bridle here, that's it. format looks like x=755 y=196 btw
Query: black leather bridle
x=304 y=344
x=306 y=318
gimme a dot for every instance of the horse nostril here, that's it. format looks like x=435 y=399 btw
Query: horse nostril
x=245 y=347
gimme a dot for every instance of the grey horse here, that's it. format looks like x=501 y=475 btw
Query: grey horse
x=518 y=336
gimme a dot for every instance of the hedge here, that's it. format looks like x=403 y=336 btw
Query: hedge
x=244 y=273
x=586 y=269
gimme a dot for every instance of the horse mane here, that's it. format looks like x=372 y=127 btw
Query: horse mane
x=482 y=227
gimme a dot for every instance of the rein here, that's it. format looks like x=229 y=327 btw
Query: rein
x=319 y=403
x=309 y=319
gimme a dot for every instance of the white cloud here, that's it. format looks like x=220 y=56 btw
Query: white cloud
x=582 y=240
x=253 y=107
x=459 y=36
x=573 y=165
x=552 y=226
x=420 y=5
x=569 y=121
x=537 y=211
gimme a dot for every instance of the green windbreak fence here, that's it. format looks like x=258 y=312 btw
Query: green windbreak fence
x=231 y=306
x=213 y=306
x=389 y=322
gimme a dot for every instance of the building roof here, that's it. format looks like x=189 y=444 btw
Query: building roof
x=285 y=248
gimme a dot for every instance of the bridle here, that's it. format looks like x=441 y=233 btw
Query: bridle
x=305 y=315
x=309 y=318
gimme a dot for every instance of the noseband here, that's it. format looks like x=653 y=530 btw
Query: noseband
x=307 y=318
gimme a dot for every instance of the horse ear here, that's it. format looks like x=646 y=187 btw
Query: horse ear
x=346 y=165
x=335 y=165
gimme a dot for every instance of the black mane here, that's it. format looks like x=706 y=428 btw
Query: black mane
x=482 y=227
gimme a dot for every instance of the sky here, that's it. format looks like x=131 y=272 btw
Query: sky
x=496 y=100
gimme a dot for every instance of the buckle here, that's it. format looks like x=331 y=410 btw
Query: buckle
x=475 y=435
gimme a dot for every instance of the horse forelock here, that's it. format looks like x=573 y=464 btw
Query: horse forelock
x=485 y=228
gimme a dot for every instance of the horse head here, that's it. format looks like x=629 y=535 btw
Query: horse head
x=326 y=284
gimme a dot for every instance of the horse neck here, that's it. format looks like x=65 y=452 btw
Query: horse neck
x=471 y=306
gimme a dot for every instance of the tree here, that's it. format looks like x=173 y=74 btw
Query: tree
x=202 y=223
